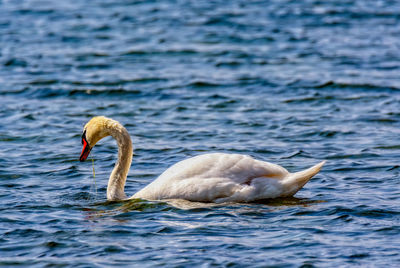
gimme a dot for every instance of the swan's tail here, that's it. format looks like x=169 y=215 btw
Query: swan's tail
x=296 y=181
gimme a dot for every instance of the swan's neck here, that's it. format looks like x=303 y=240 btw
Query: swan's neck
x=116 y=182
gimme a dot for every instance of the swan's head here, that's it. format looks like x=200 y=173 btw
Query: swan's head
x=93 y=131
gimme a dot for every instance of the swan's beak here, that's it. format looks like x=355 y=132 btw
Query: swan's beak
x=86 y=148
x=85 y=152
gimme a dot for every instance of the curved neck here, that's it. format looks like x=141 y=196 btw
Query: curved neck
x=116 y=182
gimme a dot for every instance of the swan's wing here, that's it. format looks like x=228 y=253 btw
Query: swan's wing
x=236 y=167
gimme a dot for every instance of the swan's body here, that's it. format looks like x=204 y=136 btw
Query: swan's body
x=215 y=177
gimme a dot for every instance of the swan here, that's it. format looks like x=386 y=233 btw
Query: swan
x=211 y=177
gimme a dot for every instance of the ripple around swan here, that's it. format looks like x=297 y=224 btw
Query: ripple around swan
x=291 y=82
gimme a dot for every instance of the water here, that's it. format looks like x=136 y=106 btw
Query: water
x=290 y=82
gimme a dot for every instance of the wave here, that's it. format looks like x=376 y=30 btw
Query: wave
x=333 y=84
x=52 y=93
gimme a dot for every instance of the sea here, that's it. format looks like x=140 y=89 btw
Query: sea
x=284 y=81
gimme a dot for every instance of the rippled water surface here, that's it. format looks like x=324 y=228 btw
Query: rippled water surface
x=290 y=82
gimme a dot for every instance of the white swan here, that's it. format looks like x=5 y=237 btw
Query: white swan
x=214 y=177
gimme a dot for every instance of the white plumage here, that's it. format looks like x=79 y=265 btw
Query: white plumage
x=215 y=177
x=220 y=177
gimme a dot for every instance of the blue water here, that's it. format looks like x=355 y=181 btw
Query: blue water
x=290 y=82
